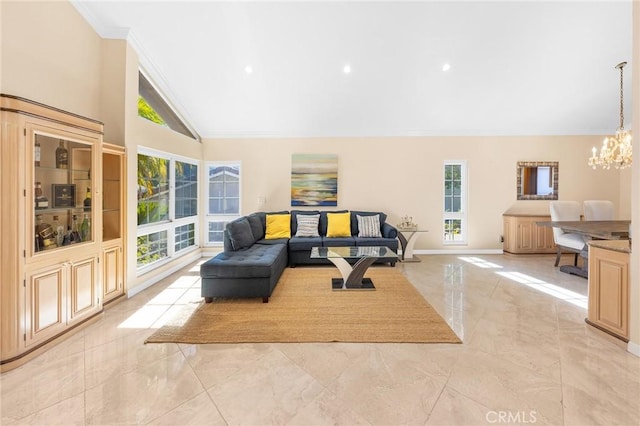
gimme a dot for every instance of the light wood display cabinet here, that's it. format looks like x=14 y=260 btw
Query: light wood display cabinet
x=62 y=223
x=523 y=236
x=113 y=208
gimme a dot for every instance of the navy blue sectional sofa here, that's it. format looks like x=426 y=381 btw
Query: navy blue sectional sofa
x=250 y=265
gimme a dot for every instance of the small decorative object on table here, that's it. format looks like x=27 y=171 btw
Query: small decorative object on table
x=407 y=224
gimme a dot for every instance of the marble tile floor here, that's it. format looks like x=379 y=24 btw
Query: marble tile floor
x=527 y=358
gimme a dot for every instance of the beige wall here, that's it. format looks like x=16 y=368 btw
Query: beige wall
x=403 y=176
x=140 y=132
x=50 y=54
x=113 y=88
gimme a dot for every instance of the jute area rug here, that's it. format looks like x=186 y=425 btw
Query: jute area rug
x=304 y=308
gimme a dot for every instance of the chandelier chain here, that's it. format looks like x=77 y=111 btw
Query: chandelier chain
x=621 y=66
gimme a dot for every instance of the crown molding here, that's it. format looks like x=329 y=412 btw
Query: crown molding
x=265 y=134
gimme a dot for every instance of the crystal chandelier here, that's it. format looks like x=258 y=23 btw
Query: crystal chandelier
x=616 y=150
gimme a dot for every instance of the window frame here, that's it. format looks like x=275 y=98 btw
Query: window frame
x=171 y=223
x=462 y=215
x=223 y=218
x=149 y=91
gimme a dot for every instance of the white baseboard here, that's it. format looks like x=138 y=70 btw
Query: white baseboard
x=179 y=264
x=634 y=348
x=210 y=252
x=460 y=251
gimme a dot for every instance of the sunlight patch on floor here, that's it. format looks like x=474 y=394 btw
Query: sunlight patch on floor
x=184 y=281
x=144 y=317
x=196 y=268
x=479 y=262
x=537 y=284
x=167 y=306
x=548 y=288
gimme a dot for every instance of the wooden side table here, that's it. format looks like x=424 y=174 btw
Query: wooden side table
x=408 y=239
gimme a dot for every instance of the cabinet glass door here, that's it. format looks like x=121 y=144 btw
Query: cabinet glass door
x=62 y=192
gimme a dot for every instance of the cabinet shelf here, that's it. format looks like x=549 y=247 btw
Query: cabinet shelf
x=76 y=210
x=49 y=250
x=64 y=171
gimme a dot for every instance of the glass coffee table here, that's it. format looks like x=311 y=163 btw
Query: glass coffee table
x=353 y=275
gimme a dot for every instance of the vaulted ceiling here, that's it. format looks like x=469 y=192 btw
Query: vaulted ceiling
x=351 y=68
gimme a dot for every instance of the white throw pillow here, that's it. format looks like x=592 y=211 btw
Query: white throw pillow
x=307 y=225
x=369 y=226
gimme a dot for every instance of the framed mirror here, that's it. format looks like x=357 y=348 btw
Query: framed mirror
x=537 y=180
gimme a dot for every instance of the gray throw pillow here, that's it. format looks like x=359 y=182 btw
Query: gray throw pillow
x=307 y=225
x=257 y=225
x=369 y=226
x=240 y=234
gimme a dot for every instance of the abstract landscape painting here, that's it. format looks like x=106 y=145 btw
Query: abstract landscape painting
x=314 y=180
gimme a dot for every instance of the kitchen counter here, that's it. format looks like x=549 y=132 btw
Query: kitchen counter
x=622 y=246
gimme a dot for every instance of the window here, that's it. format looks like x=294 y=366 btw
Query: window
x=167 y=207
x=153 y=189
x=153 y=107
x=216 y=230
x=186 y=203
x=151 y=248
x=185 y=236
x=223 y=198
x=455 y=196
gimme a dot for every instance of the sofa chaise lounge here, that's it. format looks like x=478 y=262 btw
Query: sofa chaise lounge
x=259 y=246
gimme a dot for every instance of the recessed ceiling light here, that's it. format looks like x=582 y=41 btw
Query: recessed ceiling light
x=347 y=69
x=446 y=67
x=248 y=69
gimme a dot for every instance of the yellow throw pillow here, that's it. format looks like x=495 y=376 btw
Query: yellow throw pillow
x=338 y=224
x=278 y=226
